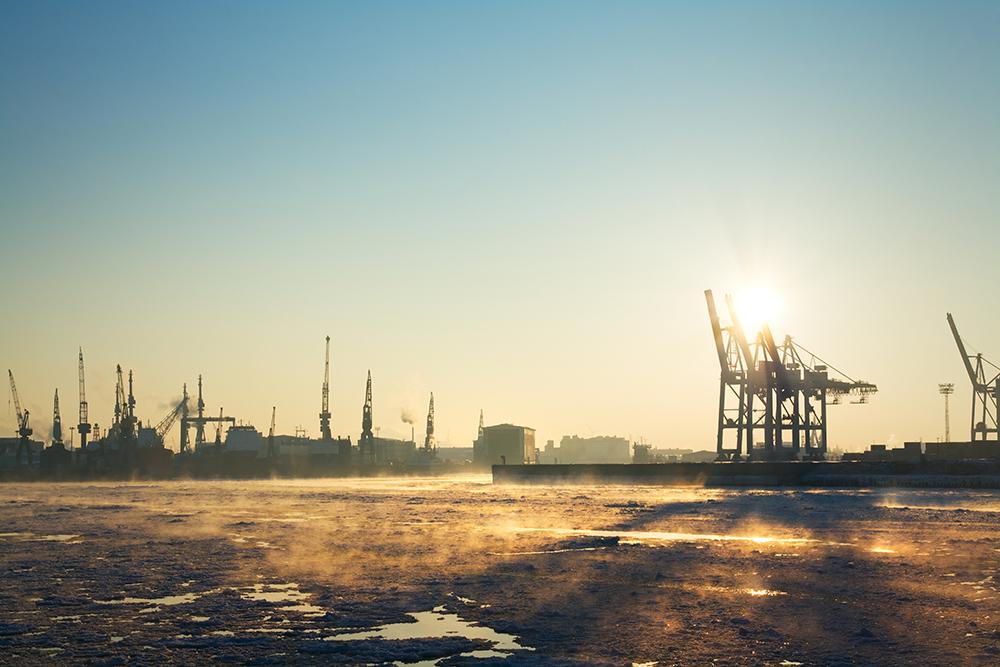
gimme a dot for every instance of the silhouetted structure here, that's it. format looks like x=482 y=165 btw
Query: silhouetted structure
x=505 y=444
x=985 y=378
x=597 y=449
x=57 y=436
x=430 y=444
x=23 y=430
x=366 y=443
x=324 y=413
x=774 y=392
x=199 y=422
x=83 y=428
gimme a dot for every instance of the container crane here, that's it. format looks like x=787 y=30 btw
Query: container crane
x=790 y=384
x=985 y=378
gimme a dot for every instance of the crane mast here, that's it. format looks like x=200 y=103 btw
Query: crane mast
x=218 y=428
x=366 y=443
x=57 y=436
x=199 y=431
x=429 y=443
x=324 y=414
x=119 y=396
x=83 y=428
x=270 y=435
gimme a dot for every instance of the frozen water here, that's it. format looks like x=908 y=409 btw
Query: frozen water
x=455 y=570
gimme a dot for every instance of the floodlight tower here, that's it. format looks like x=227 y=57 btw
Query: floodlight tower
x=946 y=389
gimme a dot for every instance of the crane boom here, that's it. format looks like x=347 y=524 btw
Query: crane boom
x=23 y=430
x=167 y=422
x=720 y=344
x=17 y=401
x=966 y=359
x=83 y=427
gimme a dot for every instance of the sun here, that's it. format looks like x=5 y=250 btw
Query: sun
x=756 y=306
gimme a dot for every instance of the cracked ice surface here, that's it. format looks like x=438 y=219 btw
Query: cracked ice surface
x=457 y=571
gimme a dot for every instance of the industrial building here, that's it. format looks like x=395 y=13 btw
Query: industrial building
x=597 y=449
x=916 y=452
x=9 y=448
x=505 y=444
x=394 y=452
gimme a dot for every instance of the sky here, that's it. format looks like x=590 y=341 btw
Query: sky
x=516 y=206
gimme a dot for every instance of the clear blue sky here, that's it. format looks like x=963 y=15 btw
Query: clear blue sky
x=514 y=205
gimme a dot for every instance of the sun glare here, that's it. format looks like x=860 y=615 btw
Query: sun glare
x=756 y=306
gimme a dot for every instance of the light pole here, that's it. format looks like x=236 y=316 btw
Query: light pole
x=946 y=390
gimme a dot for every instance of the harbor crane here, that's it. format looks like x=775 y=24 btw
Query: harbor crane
x=83 y=428
x=57 y=436
x=180 y=410
x=218 y=428
x=430 y=444
x=366 y=443
x=271 y=453
x=124 y=428
x=324 y=413
x=985 y=378
x=23 y=430
x=778 y=392
x=198 y=422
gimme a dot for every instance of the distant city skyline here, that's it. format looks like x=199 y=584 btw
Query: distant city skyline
x=515 y=206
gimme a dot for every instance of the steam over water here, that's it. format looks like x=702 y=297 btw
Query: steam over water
x=457 y=571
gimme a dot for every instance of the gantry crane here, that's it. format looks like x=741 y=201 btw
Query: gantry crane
x=23 y=430
x=773 y=391
x=985 y=378
x=324 y=413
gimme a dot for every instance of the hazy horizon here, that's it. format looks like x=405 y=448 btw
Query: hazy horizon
x=516 y=207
